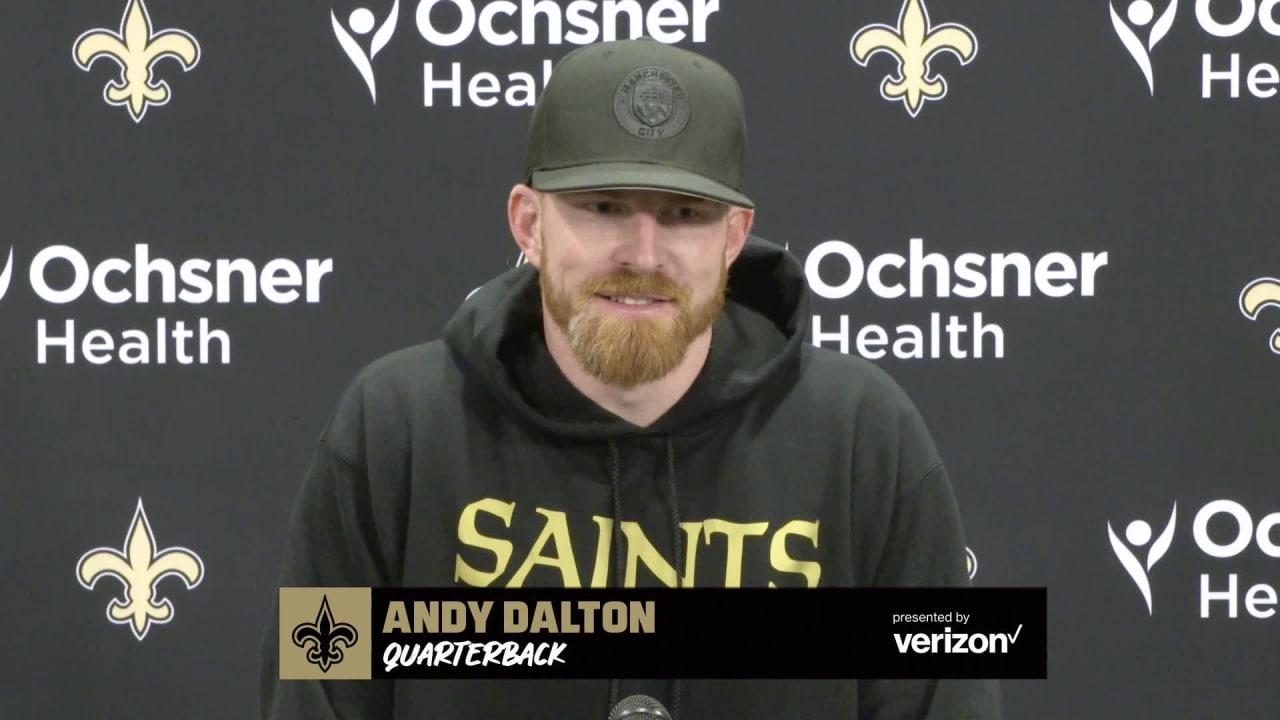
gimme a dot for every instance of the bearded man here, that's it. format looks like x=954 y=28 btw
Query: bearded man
x=634 y=406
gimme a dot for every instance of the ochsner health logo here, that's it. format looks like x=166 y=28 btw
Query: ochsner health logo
x=448 y=30
x=1222 y=530
x=1140 y=14
x=1138 y=534
x=65 y=279
x=1226 y=69
x=361 y=22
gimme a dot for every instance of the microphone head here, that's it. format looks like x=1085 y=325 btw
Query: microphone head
x=639 y=707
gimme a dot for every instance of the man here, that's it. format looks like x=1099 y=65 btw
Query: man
x=636 y=406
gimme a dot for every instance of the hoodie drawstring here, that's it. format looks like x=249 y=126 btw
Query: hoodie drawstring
x=617 y=548
x=677 y=544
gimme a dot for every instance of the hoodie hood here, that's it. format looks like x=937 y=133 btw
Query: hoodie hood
x=497 y=338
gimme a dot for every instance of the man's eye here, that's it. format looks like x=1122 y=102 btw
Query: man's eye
x=604 y=207
x=686 y=213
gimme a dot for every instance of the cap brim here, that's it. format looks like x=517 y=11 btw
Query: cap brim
x=636 y=176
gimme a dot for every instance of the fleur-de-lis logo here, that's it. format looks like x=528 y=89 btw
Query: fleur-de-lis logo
x=140 y=569
x=1259 y=294
x=324 y=639
x=914 y=43
x=136 y=50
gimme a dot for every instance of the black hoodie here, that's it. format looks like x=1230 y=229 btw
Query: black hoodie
x=472 y=460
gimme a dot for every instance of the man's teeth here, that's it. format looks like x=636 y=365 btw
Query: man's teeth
x=632 y=301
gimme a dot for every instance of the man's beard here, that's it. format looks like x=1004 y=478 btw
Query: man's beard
x=624 y=351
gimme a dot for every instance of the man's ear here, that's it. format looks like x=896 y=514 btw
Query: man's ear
x=739 y=227
x=524 y=215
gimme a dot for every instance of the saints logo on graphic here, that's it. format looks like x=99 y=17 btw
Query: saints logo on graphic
x=136 y=49
x=1261 y=293
x=913 y=43
x=140 y=568
x=652 y=104
x=324 y=639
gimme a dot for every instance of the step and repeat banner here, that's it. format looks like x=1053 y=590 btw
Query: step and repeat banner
x=1055 y=224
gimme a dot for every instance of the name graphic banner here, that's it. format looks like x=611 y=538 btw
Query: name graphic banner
x=744 y=633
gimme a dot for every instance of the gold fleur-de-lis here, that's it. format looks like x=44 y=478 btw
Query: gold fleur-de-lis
x=913 y=42
x=1259 y=294
x=139 y=568
x=136 y=50
x=324 y=639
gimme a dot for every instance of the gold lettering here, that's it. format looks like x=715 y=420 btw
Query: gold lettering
x=692 y=531
x=615 y=615
x=553 y=548
x=734 y=534
x=455 y=616
x=641 y=616
x=589 y=610
x=396 y=619
x=555 y=529
x=640 y=549
x=480 y=612
x=782 y=562
x=604 y=542
x=544 y=618
x=469 y=534
x=515 y=616
x=424 y=616
x=567 y=625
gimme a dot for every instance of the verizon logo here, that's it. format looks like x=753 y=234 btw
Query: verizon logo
x=949 y=643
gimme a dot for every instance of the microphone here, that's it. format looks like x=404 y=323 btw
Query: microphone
x=639 y=707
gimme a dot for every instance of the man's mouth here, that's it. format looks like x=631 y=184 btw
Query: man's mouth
x=634 y=300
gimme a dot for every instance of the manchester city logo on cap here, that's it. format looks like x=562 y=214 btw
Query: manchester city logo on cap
x=652 y=104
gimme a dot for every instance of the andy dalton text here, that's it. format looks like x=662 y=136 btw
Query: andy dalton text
x=515 y=617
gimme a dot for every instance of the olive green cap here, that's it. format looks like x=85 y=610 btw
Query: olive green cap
x=639 y=114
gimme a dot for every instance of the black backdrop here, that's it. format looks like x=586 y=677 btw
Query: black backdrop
x=1130 y=405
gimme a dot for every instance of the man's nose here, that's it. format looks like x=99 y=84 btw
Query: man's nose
x=639 y=248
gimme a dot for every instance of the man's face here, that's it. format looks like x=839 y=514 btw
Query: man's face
x=632 y=277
